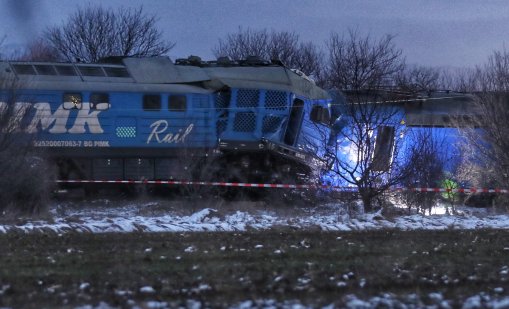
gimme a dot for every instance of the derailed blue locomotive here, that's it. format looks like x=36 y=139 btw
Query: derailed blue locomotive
x=152 y=119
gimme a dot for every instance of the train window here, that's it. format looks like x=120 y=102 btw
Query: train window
x=44 y=69
x=316 y=113
x=91 y=71
x=384 y=145
x=116 y=72
x=72 y=101
x=24 y=69
x=99 y=101
x=320 y=114
x=66 y=70
x=152 y=102
x=177 y=103
x=325 y=117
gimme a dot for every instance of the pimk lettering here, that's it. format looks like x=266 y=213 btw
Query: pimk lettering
x=56 y=122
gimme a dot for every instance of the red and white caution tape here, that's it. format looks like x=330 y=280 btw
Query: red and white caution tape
x=456 y=190
x=283 y=186
x=193 y=183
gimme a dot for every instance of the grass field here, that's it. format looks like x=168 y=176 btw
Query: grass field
x=312 y=268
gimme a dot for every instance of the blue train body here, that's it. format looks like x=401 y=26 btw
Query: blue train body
x=148 y=118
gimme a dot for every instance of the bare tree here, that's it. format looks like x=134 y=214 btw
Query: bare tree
x=491 y=105
x=356 y=62
x=366 y=152
x=284 y=46
x=416 y=79
x=26 y=181
x=39 y=50
x=426 y=159
x=460 y=80
x=93 y=32
x=487 y=135
x=244 y=43
x=8 y=54
x=367 y=146
x=493 y=76
x=2 y=41
x=486 y=151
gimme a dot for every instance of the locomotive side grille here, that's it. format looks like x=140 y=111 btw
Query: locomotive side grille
x=248 y=97
x=275 y=100
x=125 y=127
x=271 y=124
x=125 y=132
x=245 y=122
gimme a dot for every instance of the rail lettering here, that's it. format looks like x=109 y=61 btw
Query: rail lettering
x=159 y=134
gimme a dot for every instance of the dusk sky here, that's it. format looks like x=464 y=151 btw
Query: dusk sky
x=433 y=32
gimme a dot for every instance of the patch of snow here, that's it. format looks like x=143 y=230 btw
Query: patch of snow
x=201 y=287
x=147 y=290
x=156 y=305
x=362 y=283
x=84 y=286
x=190 y=249
x=472 y=302
x=101 y=305
x=123 y=293
x=193 y=304
x=278 y=278
x=498 y=290
x=4 y=288
x=330 y=217
x=383 y=300
x=500 y=304
x=341 y=284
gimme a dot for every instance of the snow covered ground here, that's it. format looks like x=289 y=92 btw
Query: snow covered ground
x=433 y=300
x=102 y=216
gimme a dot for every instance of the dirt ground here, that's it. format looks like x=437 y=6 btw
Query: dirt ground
x=313 y=268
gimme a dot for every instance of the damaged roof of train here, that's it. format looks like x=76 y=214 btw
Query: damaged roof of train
x=211 y=76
